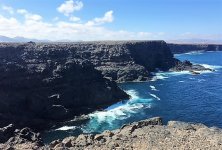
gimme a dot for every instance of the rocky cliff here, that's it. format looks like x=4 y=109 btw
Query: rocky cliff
x=129 y=60
x=142 y=135
x=184 y=48
x=43 y=84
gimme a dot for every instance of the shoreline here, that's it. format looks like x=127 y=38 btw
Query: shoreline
x=149 y=133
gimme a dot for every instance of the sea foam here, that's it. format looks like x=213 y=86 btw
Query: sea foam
x=118 y=111
x=156 y=97
x=65 y=128
x=153 y=88
x=214 y=67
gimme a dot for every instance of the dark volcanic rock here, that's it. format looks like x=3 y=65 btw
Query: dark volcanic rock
x=184 y=48
x=6 y=133
x=19 y=139
x=188 y=66
x=127 y=61
x=42 y=83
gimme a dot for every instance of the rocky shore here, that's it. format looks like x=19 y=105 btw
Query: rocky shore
x=142 y=135
x=45 y=83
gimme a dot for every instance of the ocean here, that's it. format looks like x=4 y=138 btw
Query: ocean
x=177 y=96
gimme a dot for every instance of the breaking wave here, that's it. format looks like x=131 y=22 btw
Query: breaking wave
x=117 y=112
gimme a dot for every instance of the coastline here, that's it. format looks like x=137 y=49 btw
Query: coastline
x=140 y=135
x=64 y=69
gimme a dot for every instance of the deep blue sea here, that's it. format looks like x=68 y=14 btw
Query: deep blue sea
x=171 y=95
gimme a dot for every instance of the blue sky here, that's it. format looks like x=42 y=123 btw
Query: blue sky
x=112 y=19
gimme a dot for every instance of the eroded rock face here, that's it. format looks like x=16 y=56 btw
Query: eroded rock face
x=42 y=84
x=127 y=61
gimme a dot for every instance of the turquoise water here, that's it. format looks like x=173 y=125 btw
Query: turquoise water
x=173 y=96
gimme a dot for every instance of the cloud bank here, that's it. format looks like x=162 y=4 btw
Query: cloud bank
x=22 y=22
x=34 y=26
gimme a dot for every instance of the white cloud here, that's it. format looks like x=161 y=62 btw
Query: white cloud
x=29 y=16
x=8 y=9
x=191 y=35
x=107 y=18
x=35 y=27
x=73 y=18
x=68 y=7
x=22 y=11
x=55 y=19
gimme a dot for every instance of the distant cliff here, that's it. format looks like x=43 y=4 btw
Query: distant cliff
x=184 y=48
x=127 y=61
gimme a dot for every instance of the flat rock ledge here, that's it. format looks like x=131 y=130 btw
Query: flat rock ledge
x=143 y=135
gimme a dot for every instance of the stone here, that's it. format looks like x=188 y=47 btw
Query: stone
x=6 y=133
x=99 y=137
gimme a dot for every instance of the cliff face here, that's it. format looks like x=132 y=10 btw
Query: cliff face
x=40 y=84
x=127 y=61
x=184 y=48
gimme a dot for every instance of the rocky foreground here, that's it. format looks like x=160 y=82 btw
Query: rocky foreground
x=142 y=135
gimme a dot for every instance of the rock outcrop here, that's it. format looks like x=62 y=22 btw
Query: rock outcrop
x=188 y=66
x=142 y=135
x=184 y=48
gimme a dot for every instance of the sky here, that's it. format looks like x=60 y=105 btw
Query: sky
x=112 y=19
